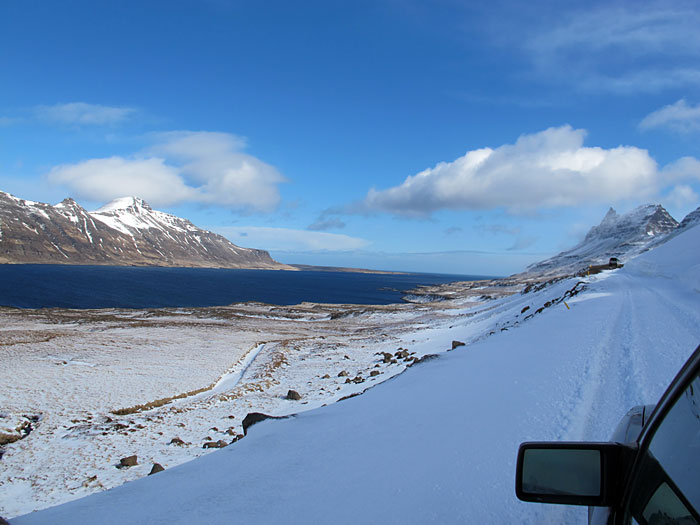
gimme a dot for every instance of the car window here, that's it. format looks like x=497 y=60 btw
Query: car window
x=676 y=443
x=668 y=484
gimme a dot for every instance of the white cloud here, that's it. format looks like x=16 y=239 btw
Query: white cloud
x=285 y=239
x=683 y=168
x=322 y=224
x=621 y=47
x=548 y=169
x=678 y=117
x=81 y=113
x=681 y=196
x=107 y=179
x=183 y=166
x=224 y=174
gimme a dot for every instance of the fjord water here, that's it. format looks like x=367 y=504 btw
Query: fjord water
x=64 y=286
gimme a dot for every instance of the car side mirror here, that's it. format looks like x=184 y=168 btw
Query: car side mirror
x=572 y=473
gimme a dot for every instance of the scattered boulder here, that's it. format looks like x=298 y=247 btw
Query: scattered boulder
x=252 y=418
x=456 y=344
x=343 y=373
x=14 y=427
x=402 y=353
x=423 y=359
x=215 y=444
x=129 y=461
x=348 y=380
x=157 y=467
x=86 y=483
x=358 y=379
x=177 y=441
x=387 y=357
x=293 y=395
x=326 y=377
x=374 y=373
x=231 y=432
x=524 y=310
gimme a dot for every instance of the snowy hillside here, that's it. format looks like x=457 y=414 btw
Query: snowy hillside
x=622 y=236
x=438 y=442
x=130 y=215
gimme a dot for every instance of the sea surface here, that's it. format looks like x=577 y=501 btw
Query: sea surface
x=64 y=286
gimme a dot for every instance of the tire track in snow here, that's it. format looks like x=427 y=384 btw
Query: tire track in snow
x=600 y=379
x=230 y=379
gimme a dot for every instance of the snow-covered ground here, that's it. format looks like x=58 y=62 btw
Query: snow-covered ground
x=435 y=444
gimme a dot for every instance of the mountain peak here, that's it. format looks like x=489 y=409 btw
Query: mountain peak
x=610 y=217
x=621 y=236
x=134 y=204
x=127 y=231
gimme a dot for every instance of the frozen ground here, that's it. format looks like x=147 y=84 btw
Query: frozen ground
x=106 y=384
x=435 y=444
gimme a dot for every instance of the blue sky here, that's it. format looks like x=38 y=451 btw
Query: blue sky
x=444 y=136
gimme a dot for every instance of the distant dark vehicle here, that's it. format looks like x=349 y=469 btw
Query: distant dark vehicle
x=614 y=263
x=649 y=474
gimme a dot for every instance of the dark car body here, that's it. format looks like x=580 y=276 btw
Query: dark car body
x=649 y=473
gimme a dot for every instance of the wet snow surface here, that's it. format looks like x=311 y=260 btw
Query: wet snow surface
x=435 y=444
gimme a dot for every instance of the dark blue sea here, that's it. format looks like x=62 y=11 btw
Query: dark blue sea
x=47 y=286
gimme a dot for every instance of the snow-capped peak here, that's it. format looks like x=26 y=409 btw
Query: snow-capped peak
x=125 y=203
x=623 y=236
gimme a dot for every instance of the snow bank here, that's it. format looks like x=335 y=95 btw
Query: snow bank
x=676 y=259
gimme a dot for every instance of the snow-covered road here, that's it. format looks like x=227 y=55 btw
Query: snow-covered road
x=438 y=443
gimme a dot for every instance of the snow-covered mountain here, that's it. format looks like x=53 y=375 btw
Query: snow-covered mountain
x=622 y=236
x=126 y=231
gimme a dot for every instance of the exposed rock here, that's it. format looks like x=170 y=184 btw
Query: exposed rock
x=177 y=441
x=3 y=521
x=621 y=236
x=293 y=395
x=374 y=373
x=125 y=232
x=129 y=461
x=343 y=374
x=387 y=357
x=14 y=427
x=87 y=482
x=215 y=444
x=456 y=344
x=253 y=418
x=524 y=310
x=427 y=357
x=326 y=376
x=157 y=467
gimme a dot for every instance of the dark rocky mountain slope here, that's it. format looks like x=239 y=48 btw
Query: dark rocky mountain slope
x=126 y=232
x=622 y=236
